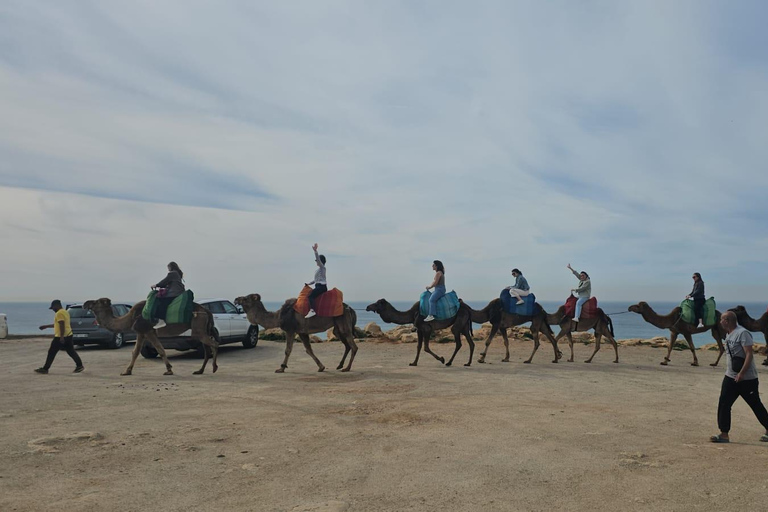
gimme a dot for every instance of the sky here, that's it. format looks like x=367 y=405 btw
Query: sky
x=625 y=138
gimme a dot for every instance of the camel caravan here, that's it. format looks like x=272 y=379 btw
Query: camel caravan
x=170 y=310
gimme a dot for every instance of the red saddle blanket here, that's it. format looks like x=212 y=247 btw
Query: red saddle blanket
x=330 y=303
x=588 y=310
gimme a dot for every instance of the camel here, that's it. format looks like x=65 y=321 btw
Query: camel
x=292 y=323
x=201 y=325
x=501 y=320
x=460 y=324
x=673 y=322
x=751 y=324
x=602 y=325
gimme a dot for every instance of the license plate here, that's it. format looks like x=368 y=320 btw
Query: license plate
x=81 y=336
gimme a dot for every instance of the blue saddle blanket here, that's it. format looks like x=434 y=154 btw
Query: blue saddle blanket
x=510 y=306
x=447 y=305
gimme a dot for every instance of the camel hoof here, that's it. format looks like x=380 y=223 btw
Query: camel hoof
x=570 y=360
x=505 y=360
x=168 y=372
x=321 y=369
x=449 y=363
x=442 y=360
x=588 y=361
x=412 y=364
x=127 y=372
x=280 y=370
x=695 y=363
x=215 y=367
x=715 y=364
x=468 y=364
x=481 y=361
x=664 y=363
x=340 y=367
x=345 y=370
x=616 y=361
x=529 y=362
x=198 y=372
x=556 y=361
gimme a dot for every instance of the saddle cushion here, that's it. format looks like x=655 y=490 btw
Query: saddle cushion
x=689 y=316
x=330 y=303
x=447 y=305
x=179 y=311
x=510 y=304
x=588 y=310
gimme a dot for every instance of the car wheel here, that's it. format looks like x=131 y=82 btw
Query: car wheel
x=251 y=337
x=149 y=352
x=117 y=341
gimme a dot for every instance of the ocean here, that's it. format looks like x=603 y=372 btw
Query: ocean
x=26 y=317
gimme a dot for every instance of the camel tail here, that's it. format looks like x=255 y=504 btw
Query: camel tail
x=610 y=326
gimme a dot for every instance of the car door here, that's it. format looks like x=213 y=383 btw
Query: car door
x=238 y=324
x=220 y=318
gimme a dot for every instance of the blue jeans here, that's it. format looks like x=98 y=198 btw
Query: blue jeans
x=437 y=294
x=579 y=303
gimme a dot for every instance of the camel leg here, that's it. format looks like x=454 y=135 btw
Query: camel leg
x=535 y=347
x=308 y=347
x=598 y=337
x=346 y=352
x=418 y=349
x=136 y=351
x=689 y=339
x=153 y=339
x=205 y=360
x=716 y=335
x=457 y=340
x=351 y=345
x=548 y=333
x=672 y=339
x=567 y=333
x=429 y=351
x=494 y=328
x=506 y=345
x=611 y=339
x=289 y=339
x=471 y=344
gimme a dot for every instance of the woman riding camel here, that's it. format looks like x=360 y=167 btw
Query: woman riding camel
x=321 y=285
x=583 y=291
x=439 y=289
x=697 y=294
x=168 y=289
x=520 y=289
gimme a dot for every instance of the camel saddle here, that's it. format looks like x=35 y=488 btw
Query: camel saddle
x=330 y=303
x=179 y=311
x=588 y=310
x=689 y=316
x=447 y=305
x=510 y=304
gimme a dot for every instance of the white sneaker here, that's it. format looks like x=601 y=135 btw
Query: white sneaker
x=521 y=301
x=311 y=313
x=160 y=324
x=429 y=318
x=576 y=320
x=700 y=326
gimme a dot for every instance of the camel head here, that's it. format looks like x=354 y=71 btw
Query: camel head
x=638 y=308
x=739 y=310
x=248 y=301
x=103 y=304
x=378 y=306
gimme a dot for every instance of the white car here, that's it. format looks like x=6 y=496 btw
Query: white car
x=230 y=324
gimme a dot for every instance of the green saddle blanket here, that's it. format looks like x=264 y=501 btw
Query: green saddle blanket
x=179 y=311
x=688 y=316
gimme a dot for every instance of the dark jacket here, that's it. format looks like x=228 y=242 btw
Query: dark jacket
x=173 y=283
x=698 y=290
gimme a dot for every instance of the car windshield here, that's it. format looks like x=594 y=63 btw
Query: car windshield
x=79 y=312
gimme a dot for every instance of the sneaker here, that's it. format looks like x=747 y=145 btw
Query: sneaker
x=521 y=301
x=700 y=326
x=429 y=318
x=160 y=324
x=79 y=369
x=41 y=370
x=575 y=320
x=311 y=313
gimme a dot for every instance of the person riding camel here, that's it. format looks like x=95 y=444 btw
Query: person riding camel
x=583 y=291
x=320 y=283
x=697 y=294
x=438 y=283
x=168 y=289
x=521 y=288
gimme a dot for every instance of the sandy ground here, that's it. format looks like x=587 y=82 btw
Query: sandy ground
x=499 y=436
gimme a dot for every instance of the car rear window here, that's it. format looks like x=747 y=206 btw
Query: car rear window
x=79 y=312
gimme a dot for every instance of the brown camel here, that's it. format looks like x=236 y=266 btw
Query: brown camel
x=602 y=325
x=292 y=323
x=673 y=321
x=501 y=320
x=751 y=324
x=201 y=325
x=460 y=324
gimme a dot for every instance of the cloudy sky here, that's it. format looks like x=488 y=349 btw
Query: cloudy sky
x=627 y=138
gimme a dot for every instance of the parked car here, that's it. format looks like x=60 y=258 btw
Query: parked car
x=87 y=331
x=230 y=324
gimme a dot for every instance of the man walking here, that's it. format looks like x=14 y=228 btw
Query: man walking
x=740 y=378
x=62 y=338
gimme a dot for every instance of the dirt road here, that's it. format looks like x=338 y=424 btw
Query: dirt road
x=499 y=436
